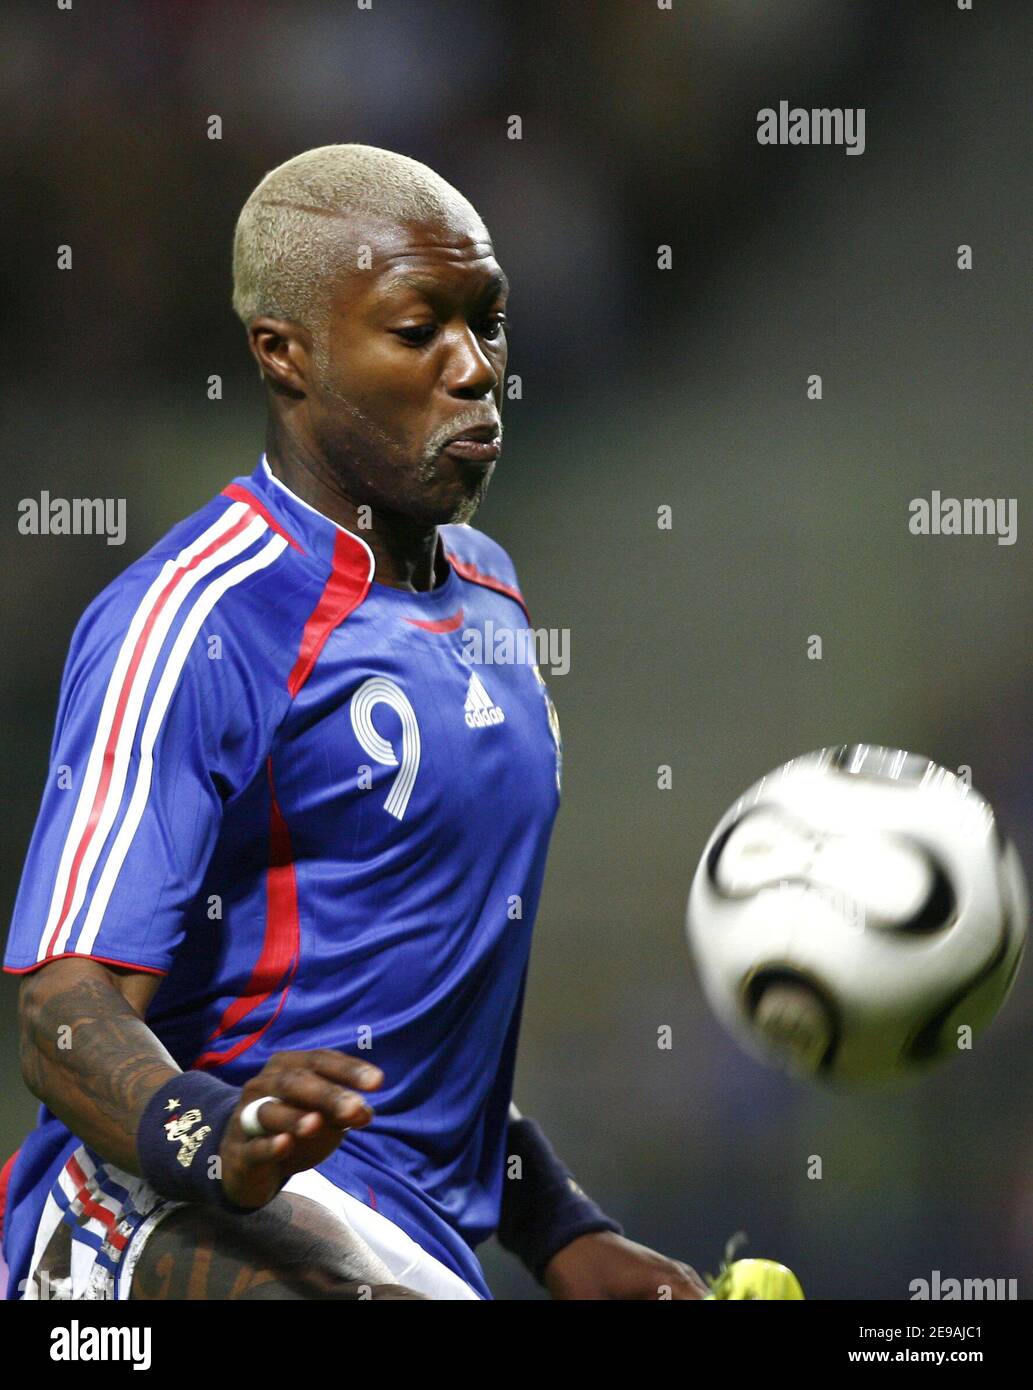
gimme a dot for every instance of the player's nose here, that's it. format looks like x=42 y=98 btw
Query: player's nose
x=469 y=371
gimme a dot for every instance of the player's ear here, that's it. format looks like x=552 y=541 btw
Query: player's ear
x=283 y=351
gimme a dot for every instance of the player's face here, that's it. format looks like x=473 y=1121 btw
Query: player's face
x=415 y=353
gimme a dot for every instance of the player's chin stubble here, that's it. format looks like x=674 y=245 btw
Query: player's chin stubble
x=472 y=480
x=427 y=473
x=474 y=486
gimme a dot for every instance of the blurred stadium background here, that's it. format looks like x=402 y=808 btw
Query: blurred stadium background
x=640 y=388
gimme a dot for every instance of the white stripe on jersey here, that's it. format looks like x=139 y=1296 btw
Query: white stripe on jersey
x=134 y=705
x=155 y=716
x=127 y=732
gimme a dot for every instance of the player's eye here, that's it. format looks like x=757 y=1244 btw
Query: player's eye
x=417 y=333
x=494 y=326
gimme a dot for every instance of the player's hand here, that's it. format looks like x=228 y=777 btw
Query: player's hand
x=319 y=1100
x=606 y=1265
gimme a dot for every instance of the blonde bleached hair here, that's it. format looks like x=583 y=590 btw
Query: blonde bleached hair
x=293 y=233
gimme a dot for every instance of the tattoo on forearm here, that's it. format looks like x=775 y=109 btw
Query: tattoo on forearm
x=95 y=1062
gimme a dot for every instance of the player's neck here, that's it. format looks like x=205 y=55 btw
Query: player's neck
x=406 y=554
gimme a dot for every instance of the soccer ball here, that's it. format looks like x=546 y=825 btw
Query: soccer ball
x=858 y=915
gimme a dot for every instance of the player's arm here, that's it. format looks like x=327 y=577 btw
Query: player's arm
x=152 y=738
x=566 y=1241
x=88 y=1054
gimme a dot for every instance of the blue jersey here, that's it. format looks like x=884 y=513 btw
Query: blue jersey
x=284 y=787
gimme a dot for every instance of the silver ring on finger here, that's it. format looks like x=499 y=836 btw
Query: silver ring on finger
x=249 y=1121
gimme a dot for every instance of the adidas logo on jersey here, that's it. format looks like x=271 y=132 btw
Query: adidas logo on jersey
x=480 y=712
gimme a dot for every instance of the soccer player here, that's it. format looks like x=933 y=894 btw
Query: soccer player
x=291 y=843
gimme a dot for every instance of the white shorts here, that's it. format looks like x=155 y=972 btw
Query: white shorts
x=97 y=1220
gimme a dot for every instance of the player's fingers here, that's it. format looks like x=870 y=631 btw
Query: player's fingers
x=259 y=1153
x=275 y=1117
x=313 y=1125
x=304 y=1091
x=339 y=1067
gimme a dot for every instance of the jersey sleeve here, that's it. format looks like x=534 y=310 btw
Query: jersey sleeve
x=159 y=722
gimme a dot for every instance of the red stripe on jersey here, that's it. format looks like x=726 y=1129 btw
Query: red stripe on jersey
x=120 y=709
x=441 y=625
x=487 y=581
x=93 y=1208
x=347 y=586
x=278 y=959
x=242 y=494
